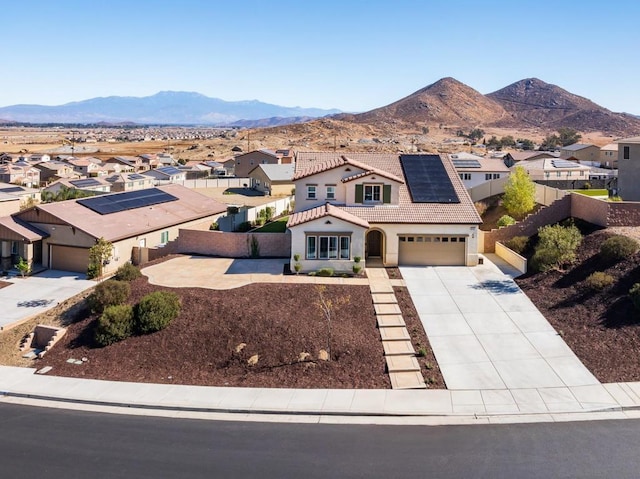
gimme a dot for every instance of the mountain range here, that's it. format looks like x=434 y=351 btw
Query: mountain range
x=167 y=107
x=528 y=103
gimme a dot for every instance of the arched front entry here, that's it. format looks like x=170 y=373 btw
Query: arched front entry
x=374 y=244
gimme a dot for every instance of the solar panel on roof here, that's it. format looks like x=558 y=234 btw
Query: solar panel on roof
x=169 y=170
x=564 y=164
x=86 y=183
x=136 y=176
x=12 y=189
x=129 y=200
x=427 y=179
x=466 y=163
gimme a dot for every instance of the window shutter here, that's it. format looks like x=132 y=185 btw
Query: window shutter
x=359 y=194
x=386 y=194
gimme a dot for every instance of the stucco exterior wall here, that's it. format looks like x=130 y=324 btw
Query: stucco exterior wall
x=629 y=172
x=337 y=226
x=478 y=178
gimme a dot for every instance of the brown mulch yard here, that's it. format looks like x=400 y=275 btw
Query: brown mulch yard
x=601 y=327
x=277 y=322
x=4 y=284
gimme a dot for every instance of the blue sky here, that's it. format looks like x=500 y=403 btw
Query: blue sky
x=353 y=55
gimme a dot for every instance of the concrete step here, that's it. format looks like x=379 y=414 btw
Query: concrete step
x=390 y=320
x=380 y=286
x=404 y=363
x=407 y=380
x=387 y=309
x=377 y=273
x=384 y=298
x=394 y=348
x=394 y=334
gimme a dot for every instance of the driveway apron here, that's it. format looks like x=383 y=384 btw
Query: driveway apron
x=487 y=334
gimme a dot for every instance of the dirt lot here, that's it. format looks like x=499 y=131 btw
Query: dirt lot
x=601 y=327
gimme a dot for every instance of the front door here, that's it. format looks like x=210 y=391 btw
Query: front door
x=374 y=244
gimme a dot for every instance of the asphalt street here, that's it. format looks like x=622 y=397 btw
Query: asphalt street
x=55 y=443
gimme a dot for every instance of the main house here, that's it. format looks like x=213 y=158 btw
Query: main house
x=395 y=209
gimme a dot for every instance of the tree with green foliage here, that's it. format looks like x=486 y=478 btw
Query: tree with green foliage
x=526 y=144
x=568 y=136
x=99 y=255
x=507 y=142
x=156 y=310
x=475 y=134
x=23 y=267
x=550 y=143
x=556 y=247
x=519 y=193
x=493 y=143
x=63 y=194
x=115 y=324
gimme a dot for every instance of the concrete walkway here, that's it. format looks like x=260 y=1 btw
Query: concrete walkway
x=33 y=295
x=487 y=335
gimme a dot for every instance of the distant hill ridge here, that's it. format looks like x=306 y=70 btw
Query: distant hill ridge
x=526 y=103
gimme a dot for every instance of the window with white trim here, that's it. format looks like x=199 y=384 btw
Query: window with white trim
x=331 y=192
x=328 y=247
x=372 y=193
x=164 y=237
x=465 y=176
x=312 y=193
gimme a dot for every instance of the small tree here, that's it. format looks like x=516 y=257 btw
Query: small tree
x=556 y=247
x=328 y=308
x=568 y=136
x=99 y=255
x=519 y=193
x=23 y=267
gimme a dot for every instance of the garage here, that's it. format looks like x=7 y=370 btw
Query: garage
x=432 y=250
x=69 y=258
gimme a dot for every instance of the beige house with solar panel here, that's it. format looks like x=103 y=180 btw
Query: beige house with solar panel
x=383 y=208
x=474 y=170
x=59 y=235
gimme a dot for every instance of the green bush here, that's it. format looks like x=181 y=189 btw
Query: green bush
x=618 y=247
x=598 y=281
x=634 y=294
x=556 y=247
x=156 y=310
x=108 y=293
x=586 y=186
x=127 y=272
x=244 y=227
x=325 y=272
x=115 y=324
x=505 y=220
x=517 y=244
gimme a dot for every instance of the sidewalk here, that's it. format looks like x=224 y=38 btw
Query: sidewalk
x=516 y=405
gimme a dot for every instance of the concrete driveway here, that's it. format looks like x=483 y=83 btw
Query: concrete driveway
x=487 y=334
x=27 y=297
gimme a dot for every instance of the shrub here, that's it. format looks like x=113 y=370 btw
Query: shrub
x=586 y=186
x=356 y=269
x=634 y=294
x=598 y=281
x=127 y=272
x=517 y=244
x=615 y=198
x=115 y=324
x=325 y=272
x=556 y=247
x=618 y=247
x=156 y=310
x=108 y=293
x=505 y=220
x=481 y=207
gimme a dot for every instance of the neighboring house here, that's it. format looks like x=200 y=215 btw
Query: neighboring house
x=165 y=159
x=555 y=169
x=217 y=169
x=38 y=157
x=195 y=170
x=91 y=185
x=475 y=170
x=169 y=174
x=86 y=167
x=55 y=170
x=396 y=209
x=609 y=156
x=126 y=163
x=248 y=161
x=629 y=168
x=229 y=166
x=273 y=180
x=129 y=182
x=582 y=153
x=515 y=157
x=59 y=235
x=20 y=173
x=150 y=160
x=24 y=194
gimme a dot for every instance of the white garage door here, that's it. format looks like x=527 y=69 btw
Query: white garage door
x=432 y=250
x=68 y=258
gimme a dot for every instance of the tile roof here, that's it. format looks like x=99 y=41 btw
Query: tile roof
x=125 y=224
x=21 y=230
x=342 y=160
x=406 y=211
x=277 y=172
x=323 y=211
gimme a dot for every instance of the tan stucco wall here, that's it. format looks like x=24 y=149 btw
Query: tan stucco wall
x=298 y=243
x=589 y=153
x=243 y=164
